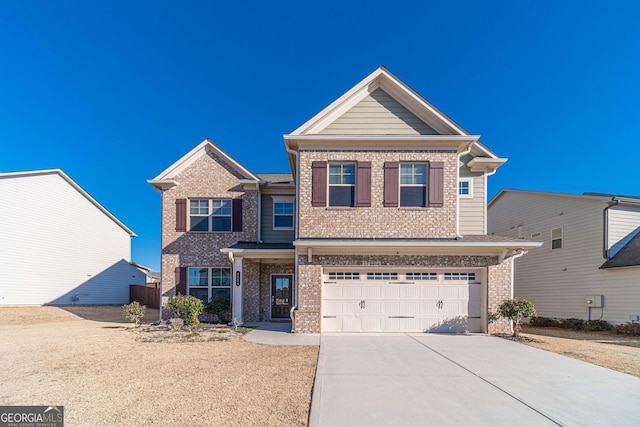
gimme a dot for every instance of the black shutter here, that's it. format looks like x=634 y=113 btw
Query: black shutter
x=236 y=212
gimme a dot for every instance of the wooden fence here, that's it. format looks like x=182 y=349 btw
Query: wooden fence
x=145 y=295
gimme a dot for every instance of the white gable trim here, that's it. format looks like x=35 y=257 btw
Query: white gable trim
x=187 y=160
x=74 y=185
x=381 y=78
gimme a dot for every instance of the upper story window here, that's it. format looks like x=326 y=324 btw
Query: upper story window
x=556 y=238
x=413 y=184
x=465 y=188
x=342 y=184
x=210 y=215
x=283 y=213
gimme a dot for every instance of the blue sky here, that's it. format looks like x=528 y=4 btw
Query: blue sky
x=114 y=92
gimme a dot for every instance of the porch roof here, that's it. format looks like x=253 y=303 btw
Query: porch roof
x=261 y=250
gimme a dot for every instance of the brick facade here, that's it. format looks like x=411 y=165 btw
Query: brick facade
x=378 y=221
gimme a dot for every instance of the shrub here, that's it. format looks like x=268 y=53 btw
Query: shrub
x=220 y=307
x=574 y=324
x=134 y=312
x=597 y=325
x=629 y=328
x=544 y=322
x=188 y=308
x=516 y=310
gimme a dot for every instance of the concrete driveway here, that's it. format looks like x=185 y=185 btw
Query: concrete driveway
x=453 y=380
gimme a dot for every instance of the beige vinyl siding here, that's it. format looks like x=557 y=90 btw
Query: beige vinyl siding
x=56 y=244
x=378 y=114
x=269 y=235
x=624 y=223
x=472 y=210
x=557 y=281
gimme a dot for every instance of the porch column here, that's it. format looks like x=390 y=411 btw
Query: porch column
x=236 y=285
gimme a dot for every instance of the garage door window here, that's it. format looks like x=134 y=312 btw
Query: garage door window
x=421 y=275
x=382 y=275
x=341 y=275
x=460 y=276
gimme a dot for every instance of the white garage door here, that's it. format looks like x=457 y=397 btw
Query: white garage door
x=401 y=301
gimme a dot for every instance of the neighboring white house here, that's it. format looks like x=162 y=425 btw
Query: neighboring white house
x=59 y=246
x=589 y=264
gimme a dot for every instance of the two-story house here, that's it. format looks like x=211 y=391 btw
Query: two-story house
x=381 y=225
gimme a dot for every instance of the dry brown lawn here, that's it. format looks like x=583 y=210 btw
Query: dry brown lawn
x=620 y=353
x=104 y=372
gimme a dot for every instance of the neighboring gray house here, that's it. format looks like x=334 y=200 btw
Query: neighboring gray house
x=58 y=245
x=379 y=227
x=589 y=264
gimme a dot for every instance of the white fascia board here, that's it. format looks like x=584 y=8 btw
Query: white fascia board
x=77 y=187
x=380 y=142
x=185 y=161
x=482 y=164
x=261 y=253
x=162 y=184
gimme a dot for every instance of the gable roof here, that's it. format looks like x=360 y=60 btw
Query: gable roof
x=166 y=178
x=628 y=256
x=75 y=186
x=396 y=89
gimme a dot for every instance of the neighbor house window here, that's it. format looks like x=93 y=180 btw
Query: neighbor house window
x=465 y=188
x=207 y=283
x=282 y=213
x=342 y=184
x=210 y=214
x=556 y=238
x=413 y=184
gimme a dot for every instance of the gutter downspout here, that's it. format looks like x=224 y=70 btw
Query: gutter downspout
x=519 y=253
x=294 y=307
x=460 y=154
x=605 y=238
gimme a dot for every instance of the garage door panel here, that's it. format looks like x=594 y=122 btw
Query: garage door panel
x=413 y=305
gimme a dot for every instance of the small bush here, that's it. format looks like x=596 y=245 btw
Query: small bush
x=516 y=310
x=187 y=308
x=543 y=322
x=597 y=325
x=629 y=328
x=134 y=312
x=220 y=307
x=574 y=324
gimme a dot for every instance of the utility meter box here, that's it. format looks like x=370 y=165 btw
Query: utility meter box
x=593 y=300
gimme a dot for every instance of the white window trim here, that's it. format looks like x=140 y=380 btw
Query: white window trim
x=561 y=238
x=425 y=185
x=282 y=199
x=209 y=216
x=466 y=196
x=354 y=185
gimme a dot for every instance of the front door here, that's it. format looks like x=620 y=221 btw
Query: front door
x=280 y=295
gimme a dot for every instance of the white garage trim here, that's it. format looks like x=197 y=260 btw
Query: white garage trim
x=374 y=299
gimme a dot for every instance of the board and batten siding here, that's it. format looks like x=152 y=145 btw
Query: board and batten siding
x=472 y=210
x=57 y=244
x=624 y=224
x=558 y=281
x=378 y=114
x=269 y=235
